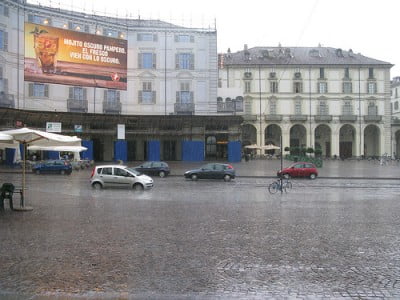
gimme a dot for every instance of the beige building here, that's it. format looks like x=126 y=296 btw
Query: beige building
x=318 y=97
x=395 y=107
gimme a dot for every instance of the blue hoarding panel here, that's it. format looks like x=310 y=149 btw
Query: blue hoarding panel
x=120 y=150
x=88 y=154
x=53 y=154
x=192 y=151
x=153 y=150
x=10 y=153
x=234 y=151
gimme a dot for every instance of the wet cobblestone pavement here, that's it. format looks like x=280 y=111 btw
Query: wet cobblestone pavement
x=325 y=239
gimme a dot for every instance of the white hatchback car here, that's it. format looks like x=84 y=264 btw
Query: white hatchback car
x=119 y=176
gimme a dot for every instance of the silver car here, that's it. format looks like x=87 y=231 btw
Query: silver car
x=119 y=176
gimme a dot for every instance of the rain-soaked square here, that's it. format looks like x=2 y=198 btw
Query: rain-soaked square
x=331 y=237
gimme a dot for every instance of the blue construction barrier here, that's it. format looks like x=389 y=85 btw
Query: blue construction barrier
x=88 y=154
x=192 y=151
x=120 y=150
x=153 y=150
x=235 y=151
x=10 y=153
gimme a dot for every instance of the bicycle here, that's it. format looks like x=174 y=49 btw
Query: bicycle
x=282 y=185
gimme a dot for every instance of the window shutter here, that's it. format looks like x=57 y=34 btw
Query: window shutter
x=70 y=25
x=154 y=61
x=105 y=94
x=46 y=90
x=192 y=39
x=191 y=61
x=178 y=97
x=30 y=88
x=71 y=93
x=84 y=94
x=118 y=95
x=191 y=97
x=154 y=96
x=139 y=60
x=5 y=41
x=177 y=61
x=140 y=97
x=155 y=38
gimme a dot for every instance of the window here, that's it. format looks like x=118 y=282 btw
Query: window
x=219 y=82
x=372 y=109
x=371 y=87
x=273 y=86
x=323 y=108
x=3 y=40
x=321 y=73
x=111 y=96
x=107 y=171
x=272 y=107
x=147 y=37
x=247 y=87
x=3 y=82
x=370 y=72
x=147 y=60
x=185 y=61
x=347 y=88
x=184 y=38
x=113 y=33
x=78 y=27
x=185 y=96
x=395 y=93
x=322 y=87
x=4 y=10
x=147 y=95
x=38 y=90
x=347 y=108
x=77 y=93
x=346 y=73
x=297 y=107
x=298 y=87
x=39 y=20
x=396 y=105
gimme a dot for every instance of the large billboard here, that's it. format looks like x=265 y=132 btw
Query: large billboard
x=55 y=55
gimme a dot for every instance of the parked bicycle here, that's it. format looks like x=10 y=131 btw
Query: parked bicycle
x=282 y=185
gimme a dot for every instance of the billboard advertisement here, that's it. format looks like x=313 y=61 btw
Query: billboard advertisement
x=55 y=55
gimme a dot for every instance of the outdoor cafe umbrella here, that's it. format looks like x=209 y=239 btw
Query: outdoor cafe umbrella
x=270 y=147
x=29 y=137
x=252 y=146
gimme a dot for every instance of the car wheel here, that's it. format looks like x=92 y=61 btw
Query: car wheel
x=227 y=177
x=37 y=172
x=161 y=174
x=62 y=172
x=97 y=186
x=313 y=176
x=286 y=176
x=138 y=187
x=194 y=177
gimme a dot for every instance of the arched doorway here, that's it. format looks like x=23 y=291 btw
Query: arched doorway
x=322 y=137
x=397 y=145
x=347 y=143
x=211 y=146
x=298 y=136
x=272 y=135
x=249 y=134
x=372 y=141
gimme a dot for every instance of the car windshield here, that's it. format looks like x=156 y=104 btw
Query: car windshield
x=133 y=171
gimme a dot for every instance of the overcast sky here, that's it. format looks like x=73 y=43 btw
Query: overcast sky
x=365 y=26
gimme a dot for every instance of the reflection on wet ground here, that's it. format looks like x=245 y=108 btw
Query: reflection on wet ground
x=326 y=238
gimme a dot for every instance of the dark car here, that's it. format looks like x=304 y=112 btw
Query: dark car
x=158 y=168
x=212 y=171
x=53 y=166
x=300 y=169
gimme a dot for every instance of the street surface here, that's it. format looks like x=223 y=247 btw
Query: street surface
x=325 y=239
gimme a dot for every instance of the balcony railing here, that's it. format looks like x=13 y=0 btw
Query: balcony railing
x=111 y=107
x=74 y=105
x=323 y=118
x=7 y=100
x=230 y=106
x=372 y=118
x=249 y=117
x=273 y=118
x=348 y=118
x=300 y=118
x=184 y=108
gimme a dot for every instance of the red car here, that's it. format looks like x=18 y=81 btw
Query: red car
x=300 y=169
